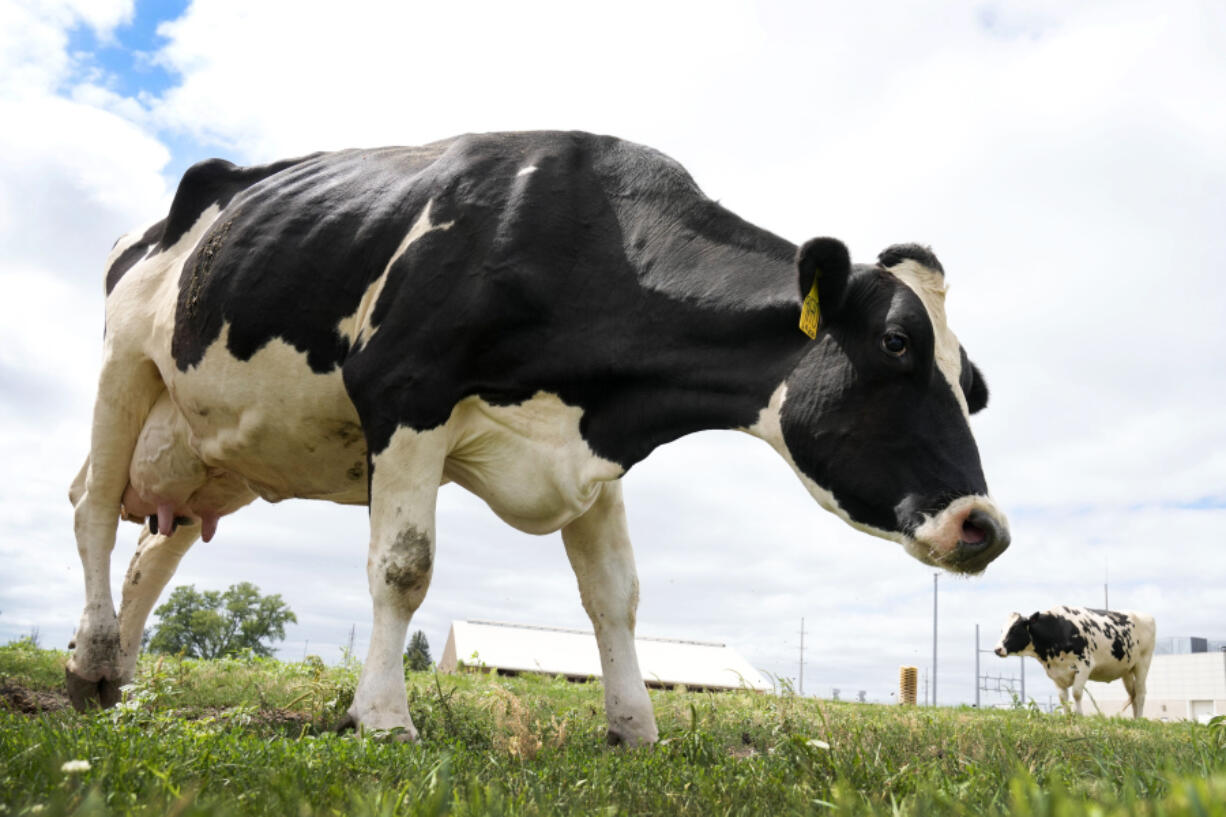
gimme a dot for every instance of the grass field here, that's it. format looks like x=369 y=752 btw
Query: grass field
x=252 y=737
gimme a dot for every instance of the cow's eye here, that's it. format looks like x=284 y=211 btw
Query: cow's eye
x=894 y=343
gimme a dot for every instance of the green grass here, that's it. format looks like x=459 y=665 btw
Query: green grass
x=251 y=737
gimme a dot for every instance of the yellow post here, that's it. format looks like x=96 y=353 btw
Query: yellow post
x=908 y=681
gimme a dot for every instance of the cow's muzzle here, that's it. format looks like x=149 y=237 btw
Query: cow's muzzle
x=982 y=538
x=964 y=537
x=1002 y=652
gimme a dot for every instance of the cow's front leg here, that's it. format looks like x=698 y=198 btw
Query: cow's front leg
x=404 y=485
x=598 y=546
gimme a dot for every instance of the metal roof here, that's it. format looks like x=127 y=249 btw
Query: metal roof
x=573 y=653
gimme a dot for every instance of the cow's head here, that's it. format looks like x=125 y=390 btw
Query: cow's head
x=1015 y=637
x=875 y=417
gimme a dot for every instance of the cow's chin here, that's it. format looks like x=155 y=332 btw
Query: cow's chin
x=963 y=538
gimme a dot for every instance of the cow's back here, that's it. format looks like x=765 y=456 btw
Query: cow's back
x=369 y=290
x=498 y=265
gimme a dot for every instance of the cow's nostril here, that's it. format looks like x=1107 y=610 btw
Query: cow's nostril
x=972 y=534
x=980 y=531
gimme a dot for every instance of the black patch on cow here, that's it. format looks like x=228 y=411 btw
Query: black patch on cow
x=1017 y=637
x=1119 y=647
x=1118 y=628
x=132 y=254
x=603 y=275
x=892 y=256
x=212 y=181
x=1053 y=634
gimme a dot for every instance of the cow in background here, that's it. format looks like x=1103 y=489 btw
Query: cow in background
x=1078 y=644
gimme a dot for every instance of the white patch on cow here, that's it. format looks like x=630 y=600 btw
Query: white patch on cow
x=287 y=430
x=769 y=428
x=527 y=461
x=140 y=310
x=929 y=286
x=524 y=171
x=357 y=329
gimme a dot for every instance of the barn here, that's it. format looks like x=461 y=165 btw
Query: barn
x=666 y=662
x=1187 y=681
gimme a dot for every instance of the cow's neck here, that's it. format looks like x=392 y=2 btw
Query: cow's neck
x=731 y=298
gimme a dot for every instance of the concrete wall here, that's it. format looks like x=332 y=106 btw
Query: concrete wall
x=1179 y=687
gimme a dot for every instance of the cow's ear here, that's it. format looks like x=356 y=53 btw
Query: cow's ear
x=826 y=261
x=973 y=385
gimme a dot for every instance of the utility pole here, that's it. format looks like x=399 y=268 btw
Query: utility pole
x=1106 y=604
x=976 y=666
x=802 y=656
x=935 y=576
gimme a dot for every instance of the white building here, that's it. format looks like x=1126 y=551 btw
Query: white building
x=665 y=662
x=1188 y=686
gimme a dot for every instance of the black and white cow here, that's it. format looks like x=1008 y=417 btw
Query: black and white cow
x=1078 y=644
x=527 y=315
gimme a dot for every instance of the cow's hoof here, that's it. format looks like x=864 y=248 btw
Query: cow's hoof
x=615 y=738
x=91 y=694
x=400 y=734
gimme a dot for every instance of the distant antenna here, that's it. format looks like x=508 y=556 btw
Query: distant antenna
x=1106 y=604
x=802 y=656
x=353 y=631
x=935 y=576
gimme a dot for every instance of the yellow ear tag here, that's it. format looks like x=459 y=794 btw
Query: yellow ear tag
x=810 y=315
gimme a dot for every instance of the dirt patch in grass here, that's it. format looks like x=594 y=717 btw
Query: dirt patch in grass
x=18 y=698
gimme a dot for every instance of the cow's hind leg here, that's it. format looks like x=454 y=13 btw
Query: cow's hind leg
x=598 y=546
x=1079 y=685
x=156 y=558
x=1063 y=693
x=1140 y=673
x=127 y=389
x=404 y=483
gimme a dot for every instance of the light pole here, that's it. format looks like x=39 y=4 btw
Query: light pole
x=935 y=576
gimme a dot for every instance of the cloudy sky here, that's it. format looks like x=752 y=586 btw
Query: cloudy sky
x=1067 y=162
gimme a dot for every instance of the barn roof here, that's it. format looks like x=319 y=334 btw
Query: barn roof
x=573 y=653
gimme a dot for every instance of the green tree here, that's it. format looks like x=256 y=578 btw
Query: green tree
x=417 y=656
x=212 y=624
